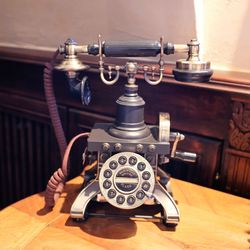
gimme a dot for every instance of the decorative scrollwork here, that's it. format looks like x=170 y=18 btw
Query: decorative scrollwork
x=239 y=127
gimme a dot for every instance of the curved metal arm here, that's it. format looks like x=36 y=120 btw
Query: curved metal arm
x=151 y=82
x=109 y=82
x=161 y=63
x=101 y=68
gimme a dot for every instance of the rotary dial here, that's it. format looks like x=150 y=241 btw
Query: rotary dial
x=125 y=179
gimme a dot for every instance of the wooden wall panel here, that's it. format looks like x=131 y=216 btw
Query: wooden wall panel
x=236 y=166
x=28 y=153
x=237 y=173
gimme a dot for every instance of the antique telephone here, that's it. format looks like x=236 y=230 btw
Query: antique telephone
x=128 y=152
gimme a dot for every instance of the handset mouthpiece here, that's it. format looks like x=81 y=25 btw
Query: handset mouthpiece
x=71 y=62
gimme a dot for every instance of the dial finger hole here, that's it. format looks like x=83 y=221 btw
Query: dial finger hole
x=113 y=165
x=107 y=173
x=107 y=184
x=132 y=160
x=140 y=195
x=122 y=160
x=111 y=193
x=145 y=186
x=131 y=200
x=141 y=166
x=146 y=175
x=120 y=199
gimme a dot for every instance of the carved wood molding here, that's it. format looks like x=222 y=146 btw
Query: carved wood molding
x=239 y=126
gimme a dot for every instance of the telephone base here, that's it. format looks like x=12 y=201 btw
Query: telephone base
x=169 y=212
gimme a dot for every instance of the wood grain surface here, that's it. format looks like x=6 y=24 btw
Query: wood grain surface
x=209 y=220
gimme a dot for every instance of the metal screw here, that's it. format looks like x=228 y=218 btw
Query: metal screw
x=105 y=146
x=104 y=157
x=118 y=147
x=151 y=148
x=139 y=148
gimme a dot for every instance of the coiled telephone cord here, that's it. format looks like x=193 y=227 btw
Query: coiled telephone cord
x=52 y=106
x=57 y=180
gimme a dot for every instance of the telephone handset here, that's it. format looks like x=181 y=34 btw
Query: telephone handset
x=128 y=152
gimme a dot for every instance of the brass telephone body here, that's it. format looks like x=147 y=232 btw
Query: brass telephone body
x=128 y=151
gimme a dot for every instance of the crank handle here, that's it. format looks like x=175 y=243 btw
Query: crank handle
x=186 y=156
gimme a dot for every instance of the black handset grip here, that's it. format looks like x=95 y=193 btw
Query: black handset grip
x=131 y=49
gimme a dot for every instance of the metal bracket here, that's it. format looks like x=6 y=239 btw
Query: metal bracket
x=78 y=209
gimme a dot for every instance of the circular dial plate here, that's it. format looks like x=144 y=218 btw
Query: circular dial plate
x=125 y=179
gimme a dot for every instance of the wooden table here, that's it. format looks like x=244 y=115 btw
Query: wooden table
x=209 y=220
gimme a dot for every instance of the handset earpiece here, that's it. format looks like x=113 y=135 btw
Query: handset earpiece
x=192 y=69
